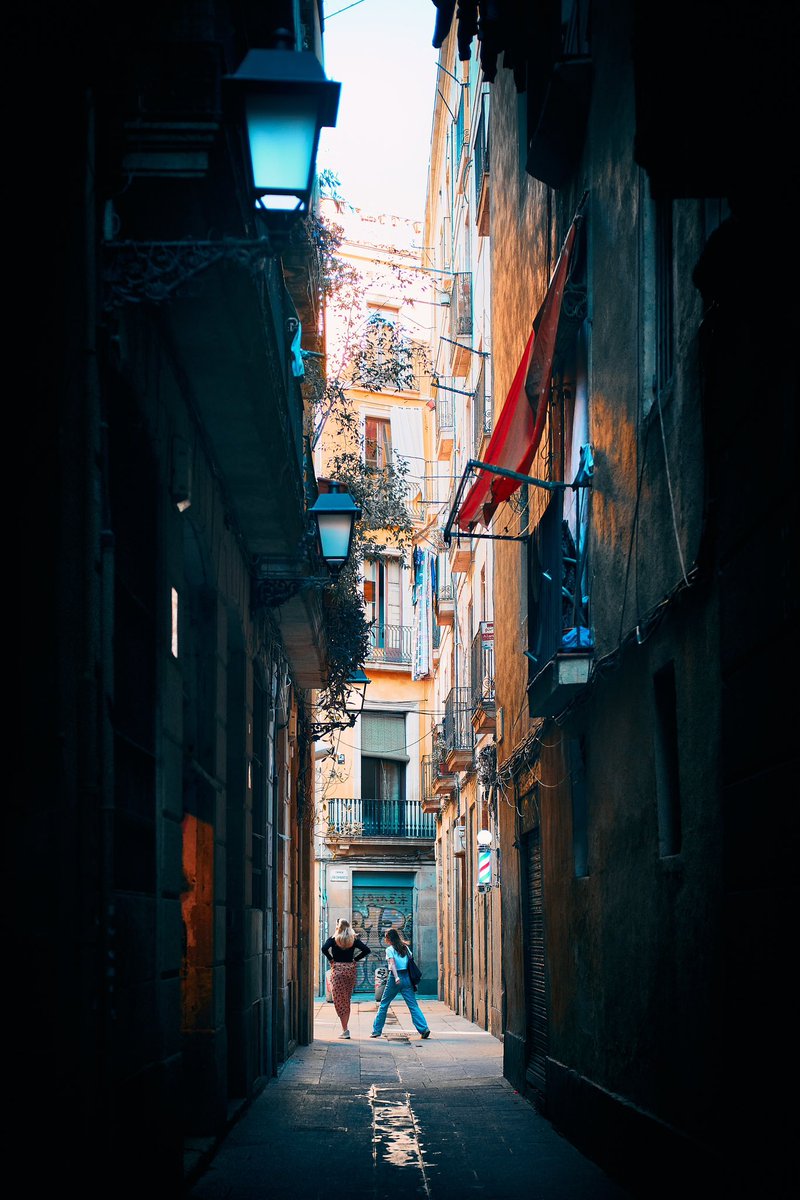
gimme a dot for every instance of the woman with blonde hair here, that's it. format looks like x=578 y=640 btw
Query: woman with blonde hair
x=343 y=951
x=398 y=952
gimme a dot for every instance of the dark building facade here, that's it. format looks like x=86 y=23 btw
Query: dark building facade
x=643 y=777
x=160 y=859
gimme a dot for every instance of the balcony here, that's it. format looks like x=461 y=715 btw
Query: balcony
x=482 y=673
x=461 y=141
x=460 y=554
x=445 y=604
x=443 y=782
x=436 y=641
x=482 y=169
x=390 y=645
x=461 y=323
x=362 y=819
x=459 y=736
x=561 y=651
x=444 y=420
x=482 y=414
x=431 y=801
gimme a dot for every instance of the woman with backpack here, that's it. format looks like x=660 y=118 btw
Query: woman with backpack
x=398 y=955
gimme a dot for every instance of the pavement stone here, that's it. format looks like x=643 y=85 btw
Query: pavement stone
x=391 y=1118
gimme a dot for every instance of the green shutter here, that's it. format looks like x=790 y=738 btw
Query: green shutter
x=383 y=735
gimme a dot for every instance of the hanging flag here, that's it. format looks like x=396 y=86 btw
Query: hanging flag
x=519 y=428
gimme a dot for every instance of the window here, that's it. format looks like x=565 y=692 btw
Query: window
x=377 y=442
x=385 y=357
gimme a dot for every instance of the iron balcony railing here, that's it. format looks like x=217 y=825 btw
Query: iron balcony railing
x=558 y=617
x=461 y=125
x=434 y=766
x=481 y=149
x=481 y=412
x=445 y=591
x=545 y=619
x=458 y=731
x=357 y=818
x=428 y=776
x=461 y=306
x=390 y=643
x=444 y=412
x=482 y=668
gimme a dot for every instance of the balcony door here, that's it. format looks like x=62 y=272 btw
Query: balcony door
x=385 y=607
x=384 y=757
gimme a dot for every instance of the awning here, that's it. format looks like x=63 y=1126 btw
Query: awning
x=519 y=428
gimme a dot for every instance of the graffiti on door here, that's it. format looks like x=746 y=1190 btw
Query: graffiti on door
x=375 y=910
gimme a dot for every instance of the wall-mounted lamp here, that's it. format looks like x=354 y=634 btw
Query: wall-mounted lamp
x=484 y=837
x=357 y=683
x=334 y=516
x=285 y=99
x=335 y=513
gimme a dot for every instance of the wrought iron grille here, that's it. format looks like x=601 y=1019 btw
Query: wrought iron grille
x=546 y=597
x=458 y=731
x=357 y=817
x=461 y=306
x=428 y=776
x=482 y=667
x=481 y=155
x=481 y=411
x=390 y=643
x=444 y=412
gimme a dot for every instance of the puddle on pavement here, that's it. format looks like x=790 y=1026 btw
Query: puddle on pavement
x=395 y=1138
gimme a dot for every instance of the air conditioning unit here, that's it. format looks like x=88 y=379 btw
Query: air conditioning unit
x=459 y=839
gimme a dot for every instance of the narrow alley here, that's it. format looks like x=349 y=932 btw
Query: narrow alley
x=397 y=1116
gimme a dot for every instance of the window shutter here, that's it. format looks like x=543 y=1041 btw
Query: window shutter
x=383 y=735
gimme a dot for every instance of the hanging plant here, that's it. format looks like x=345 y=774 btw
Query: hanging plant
x=379 y=359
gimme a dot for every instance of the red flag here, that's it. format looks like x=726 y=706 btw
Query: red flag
x=519 y=428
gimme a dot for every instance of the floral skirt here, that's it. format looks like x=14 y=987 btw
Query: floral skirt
x=343 y=980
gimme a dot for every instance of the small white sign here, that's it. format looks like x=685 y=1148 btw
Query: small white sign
x=338 y=875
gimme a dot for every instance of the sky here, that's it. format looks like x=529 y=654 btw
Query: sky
x=382 y=54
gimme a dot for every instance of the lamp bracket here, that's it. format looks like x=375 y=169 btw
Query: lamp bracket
x=136 y=272
x=583 y=479
x=275 y=590
x=320 y=729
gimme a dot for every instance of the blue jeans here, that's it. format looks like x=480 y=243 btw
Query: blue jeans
x=408 y=994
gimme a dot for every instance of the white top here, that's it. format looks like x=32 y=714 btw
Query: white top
x=400 y=961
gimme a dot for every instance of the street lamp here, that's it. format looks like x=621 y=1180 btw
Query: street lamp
x=285 y=99
x=357 y=684
x=335 y=513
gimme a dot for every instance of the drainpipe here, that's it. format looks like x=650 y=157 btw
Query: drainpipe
x=323 y=933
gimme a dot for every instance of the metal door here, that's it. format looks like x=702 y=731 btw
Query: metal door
x=375 y=909
x=535 y=967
